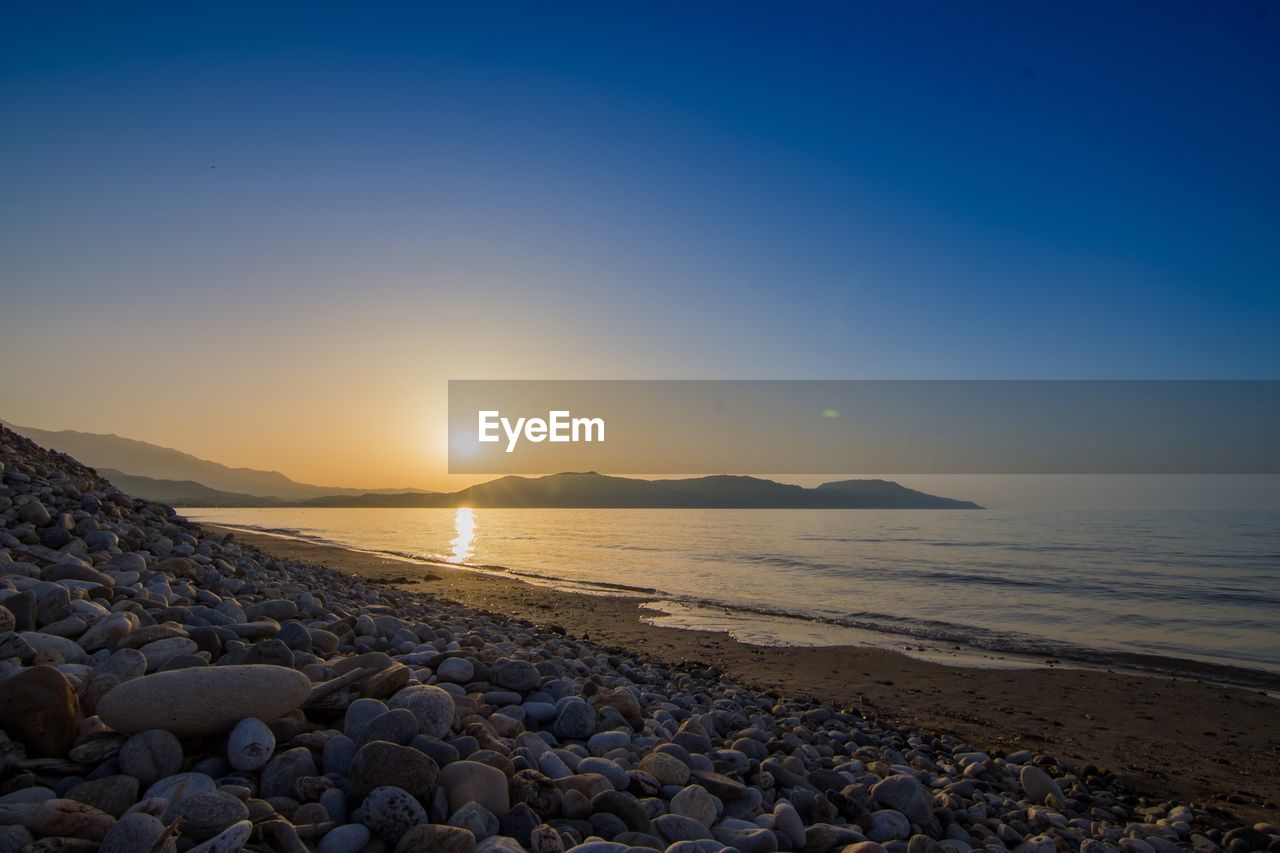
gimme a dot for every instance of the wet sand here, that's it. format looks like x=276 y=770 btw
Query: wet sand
x=1214 y=745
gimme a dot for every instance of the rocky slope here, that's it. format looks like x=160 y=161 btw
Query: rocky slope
x=166 y=689
x=168 y=468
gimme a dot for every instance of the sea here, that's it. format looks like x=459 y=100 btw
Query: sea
x=1189 y=592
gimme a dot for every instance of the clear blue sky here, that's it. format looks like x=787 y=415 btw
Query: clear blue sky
x=935 y=190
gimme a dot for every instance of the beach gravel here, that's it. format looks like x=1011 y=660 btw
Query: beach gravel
x=165 y=688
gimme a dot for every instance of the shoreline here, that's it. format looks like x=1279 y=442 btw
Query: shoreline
x=1171 y=737
x=784 y=628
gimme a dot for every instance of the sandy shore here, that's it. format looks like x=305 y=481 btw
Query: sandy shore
x=1213 y=745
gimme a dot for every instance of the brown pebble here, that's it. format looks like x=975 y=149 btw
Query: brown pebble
x=39 y=708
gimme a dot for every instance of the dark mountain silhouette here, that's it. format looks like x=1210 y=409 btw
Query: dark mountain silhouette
x=885 y=493
x=592 y=490
x=180 y=479
x=142 y=459
x=181 y=492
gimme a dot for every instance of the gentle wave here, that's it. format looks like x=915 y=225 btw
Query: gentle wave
x=1007 y=643
x=1171 y=592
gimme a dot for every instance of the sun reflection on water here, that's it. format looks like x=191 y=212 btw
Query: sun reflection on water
x=464 y=530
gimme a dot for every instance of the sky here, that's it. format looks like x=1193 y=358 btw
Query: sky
x=268 y=234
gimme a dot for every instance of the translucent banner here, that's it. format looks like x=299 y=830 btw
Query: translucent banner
x=864 y=427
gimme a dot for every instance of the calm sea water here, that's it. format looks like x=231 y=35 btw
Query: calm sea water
x=1091 y=586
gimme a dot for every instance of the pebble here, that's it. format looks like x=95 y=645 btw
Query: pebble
x=398 y=725
x=283 y=771
x=132 y=833
x=456 y=670
x=545 y=839
x=230 y=840
x=360 y=713
x=338 y=754
x=206 y=700
x=1039 y=786
x=390 y=812
x=54 y=649
x=553 y=765
x=1046 y=844
x=151 y=755
x=787 y=821
x=905 y=794
x=250 y=745
x=124 y=664
x=576 y=721
x=160 y=652
x=21 y=609
x=471 y=781
x=111 y=794
x=675 y=828
x=34 y=512
x=205 y=815
x=437 y=838
x=719 y=784
x=39 y=707
x=889 y=825
x=746 y=839
x=476 y=819
x=623 y=806
x=695 y=803
x=626 y=704
x=106 y=633
x=173 y=788
x=616 y=775
x=71 y=819
x=383 y=763
x=348 y=838
x=602 y=742
x=433 y=707
x=518 y=675
x=540 y=712
x=666 y=768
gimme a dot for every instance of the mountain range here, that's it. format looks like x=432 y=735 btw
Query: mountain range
x=143 y=459
x=180 y=479
x=592 y=490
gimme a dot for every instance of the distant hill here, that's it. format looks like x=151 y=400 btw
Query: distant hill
x=141 y=459
x=181 y=492
x=180 y=479
x=882 y=493
x=592 y=490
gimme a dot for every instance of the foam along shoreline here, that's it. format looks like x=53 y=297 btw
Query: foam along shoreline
x=952 y=645
x=744 y=626
x=1168 y=736
x=753 y=628
x=786 y=631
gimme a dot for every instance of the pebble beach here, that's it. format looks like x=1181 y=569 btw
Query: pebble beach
x=166 y=687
